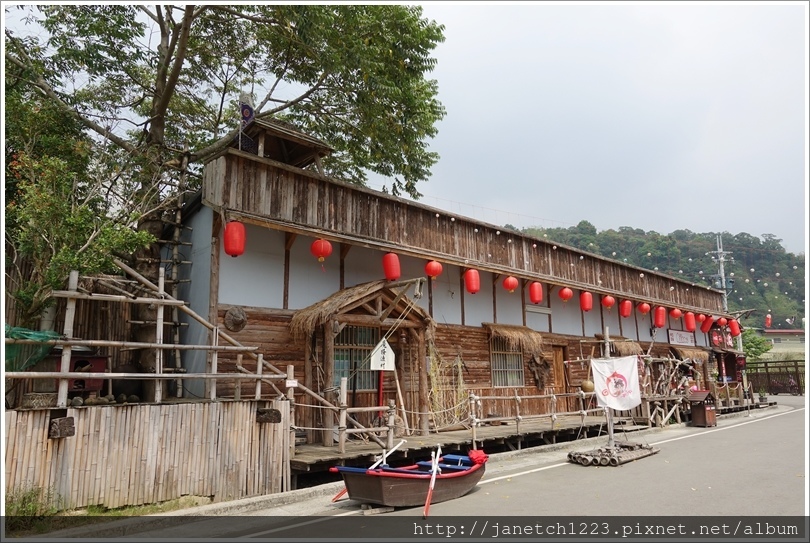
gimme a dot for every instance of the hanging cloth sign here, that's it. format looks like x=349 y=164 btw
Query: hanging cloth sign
x=382 y=357
x=616 y=382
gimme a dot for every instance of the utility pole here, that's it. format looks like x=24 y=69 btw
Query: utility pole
x=721 y=276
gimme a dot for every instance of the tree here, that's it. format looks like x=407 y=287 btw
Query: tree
x=152 y=80
x=55 y=213
x=754 y=345
x=157 y=78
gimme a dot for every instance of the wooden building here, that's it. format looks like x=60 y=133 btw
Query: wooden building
x=450 y=338
x=325 y=271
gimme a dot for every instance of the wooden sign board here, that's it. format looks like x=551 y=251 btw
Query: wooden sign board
x=382 y=357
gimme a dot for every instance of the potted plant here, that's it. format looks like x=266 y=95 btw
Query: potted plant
x=763 y=395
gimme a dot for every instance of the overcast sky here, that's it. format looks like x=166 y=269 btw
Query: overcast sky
x=654 y=116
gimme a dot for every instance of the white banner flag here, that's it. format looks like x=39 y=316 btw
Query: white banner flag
x=616 y=383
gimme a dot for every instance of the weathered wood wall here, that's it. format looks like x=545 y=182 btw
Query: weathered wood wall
x=137 y=454
x=272 y=194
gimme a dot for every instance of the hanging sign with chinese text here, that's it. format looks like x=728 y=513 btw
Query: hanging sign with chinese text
x=382 y=357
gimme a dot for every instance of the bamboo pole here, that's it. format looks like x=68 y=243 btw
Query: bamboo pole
x=259 y=365
x=159 y=336
x=70 y=313
x=343 y=415
x=147 y=376
x=291 y=399
x=144 y=281
x=130 y=344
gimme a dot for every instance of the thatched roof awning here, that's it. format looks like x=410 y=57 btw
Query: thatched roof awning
x=621 y=345
x=306 y=320
x=699 y=355
x=530 y=340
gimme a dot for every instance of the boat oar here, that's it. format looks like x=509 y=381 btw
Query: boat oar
x=434 y=468
x=374 y=465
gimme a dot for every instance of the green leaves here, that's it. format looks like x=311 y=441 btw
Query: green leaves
x=355 y=76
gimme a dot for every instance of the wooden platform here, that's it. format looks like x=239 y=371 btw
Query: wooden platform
x=316 y=457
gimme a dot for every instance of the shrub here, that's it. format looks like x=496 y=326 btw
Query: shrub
x=27 y=507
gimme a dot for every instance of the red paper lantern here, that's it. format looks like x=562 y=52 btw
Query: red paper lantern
x=660 y=316
x=768 y=320
x=566 y=294
x=707 y=324
x=608 y=301
x=433 y=269
x=234 y=238
x=701 y=317
x=689 y=321
x=722 y=321
x=510 y=283
x=586 y=301
x=625 y=308
x=734 y=326
x=472 y=280
x=320 y=249
x=391 y=266
x=675 y=313
x=644 y=308
x=536 y=292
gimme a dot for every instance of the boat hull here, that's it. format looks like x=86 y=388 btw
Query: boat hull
x=408 y=487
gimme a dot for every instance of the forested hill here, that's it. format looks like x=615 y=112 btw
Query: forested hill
x=765 y=277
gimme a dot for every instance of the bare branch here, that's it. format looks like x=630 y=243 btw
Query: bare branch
x=148 y=13
x=179 y=44
x=294 y=101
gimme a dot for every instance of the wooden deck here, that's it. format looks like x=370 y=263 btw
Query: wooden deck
x=315 y=457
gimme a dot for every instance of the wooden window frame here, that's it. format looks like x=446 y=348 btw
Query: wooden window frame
x=506 y=364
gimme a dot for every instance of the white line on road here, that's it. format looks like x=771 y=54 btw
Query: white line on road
x=520 y=473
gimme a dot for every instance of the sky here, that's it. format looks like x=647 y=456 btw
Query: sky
x=659 y=116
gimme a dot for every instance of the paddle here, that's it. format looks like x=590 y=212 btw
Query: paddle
x=434 y=468
x=374 y=465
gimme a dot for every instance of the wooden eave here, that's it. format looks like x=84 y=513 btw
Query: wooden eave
x=377 y=303
x=282 y=197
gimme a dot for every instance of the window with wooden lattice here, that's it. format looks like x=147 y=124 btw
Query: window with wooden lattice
x=353 y=347
x=506 y=362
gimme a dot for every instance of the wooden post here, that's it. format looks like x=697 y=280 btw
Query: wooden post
x=212 y=383
x=237 y=384
x=473 y=421
x=159 y=336
x=70 y=314
x=259 y=372
x=291 y=398
x=342 y=421
x=392 y=422
x=423 y=360
x=329 y=378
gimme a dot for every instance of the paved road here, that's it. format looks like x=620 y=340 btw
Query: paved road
x=749 y=465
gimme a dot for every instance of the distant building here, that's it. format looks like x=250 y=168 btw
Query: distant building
x=785 y=342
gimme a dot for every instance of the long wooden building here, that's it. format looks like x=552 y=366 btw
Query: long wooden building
x=285 y=282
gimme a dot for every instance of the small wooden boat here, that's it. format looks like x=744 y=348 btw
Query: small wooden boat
x=408 y=486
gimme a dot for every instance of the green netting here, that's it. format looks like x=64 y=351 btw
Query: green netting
x=21 y=356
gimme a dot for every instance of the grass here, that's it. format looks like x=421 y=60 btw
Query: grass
x=34 y=510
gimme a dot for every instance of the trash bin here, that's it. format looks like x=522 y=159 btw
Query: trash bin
x=701 y=404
